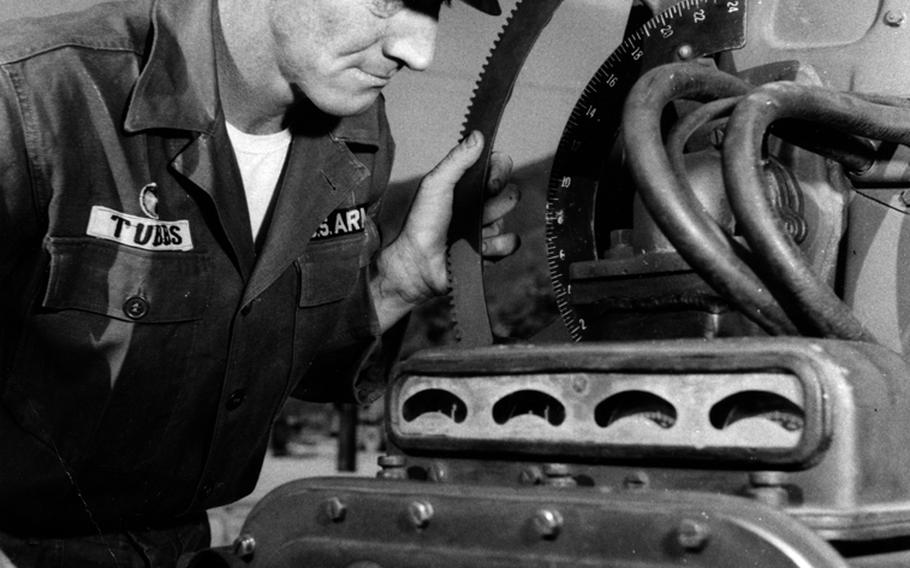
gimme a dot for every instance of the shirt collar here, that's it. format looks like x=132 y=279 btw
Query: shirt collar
x=178 y=87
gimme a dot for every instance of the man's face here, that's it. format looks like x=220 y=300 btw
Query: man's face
x=341 y=53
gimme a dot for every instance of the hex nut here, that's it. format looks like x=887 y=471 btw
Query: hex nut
x=244 y=546
x=894 y=18
x=392 y=460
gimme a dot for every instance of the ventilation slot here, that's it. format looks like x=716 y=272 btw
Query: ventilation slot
x=435 y=402
x=635 y=404
x=529 y=402
x=758 y=404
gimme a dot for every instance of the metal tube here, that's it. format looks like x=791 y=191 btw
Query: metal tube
x=743 y=174
x=676 y=211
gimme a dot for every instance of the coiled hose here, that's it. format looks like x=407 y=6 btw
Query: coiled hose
x=672 y=204
x=742 y=164
x=838 y=126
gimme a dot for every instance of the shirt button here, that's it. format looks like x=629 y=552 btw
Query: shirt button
x=136 y=307
x=236 y=398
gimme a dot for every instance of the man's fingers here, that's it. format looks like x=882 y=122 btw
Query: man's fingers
x=493 y=229
x=501 y=204
x=448 y=171
x=500 y=246
x=500 y=172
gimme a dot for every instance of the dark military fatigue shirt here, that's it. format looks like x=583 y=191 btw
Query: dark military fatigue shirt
x=146 y=342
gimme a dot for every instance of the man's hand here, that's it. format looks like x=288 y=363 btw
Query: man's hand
x=412 y=269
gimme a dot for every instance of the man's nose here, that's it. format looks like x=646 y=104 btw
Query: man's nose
x=411 y=39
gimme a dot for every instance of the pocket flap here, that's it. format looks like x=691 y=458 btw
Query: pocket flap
x=126 y=283
x=329 y=270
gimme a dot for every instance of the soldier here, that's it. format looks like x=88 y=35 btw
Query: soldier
x=191 y=229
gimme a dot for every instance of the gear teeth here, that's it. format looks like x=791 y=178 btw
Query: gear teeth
x=486 y=63
x=489 y=97
x=450 y=302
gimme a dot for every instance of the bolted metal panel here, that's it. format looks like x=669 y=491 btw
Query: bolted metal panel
x=531 y=526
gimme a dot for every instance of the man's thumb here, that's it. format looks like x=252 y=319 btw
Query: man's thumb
x=450 y=169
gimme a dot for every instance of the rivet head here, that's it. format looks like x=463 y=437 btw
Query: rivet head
x=894 y=18
x=685 y=52
x=420 y=513
x=636 y=481
x=335 y=510
x=692 y=535
x=548 y=523
x=244 y=546
x=580 y=384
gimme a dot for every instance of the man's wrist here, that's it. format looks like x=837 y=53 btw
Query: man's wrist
x=396 y=288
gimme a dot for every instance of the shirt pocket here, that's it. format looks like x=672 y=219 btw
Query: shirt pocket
x=329 y=269
x=127 y=284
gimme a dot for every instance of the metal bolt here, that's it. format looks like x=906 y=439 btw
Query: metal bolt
x=556 y=470
x=905 y=197
x=530 y=476
x=580 y=384
x=438 y=472
x=768 y=487
x=548 y=523
x=335 y=510
x=692 y=535
x=558 y=475
x=771 y=496
x=392 y=460
x=767 y=478
x=636 y=481
x=393 y=467
x=894 y=18
x=420 y=513
x=685 y=52
x=244 y=546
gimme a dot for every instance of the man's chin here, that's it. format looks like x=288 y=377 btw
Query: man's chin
x=350 y=105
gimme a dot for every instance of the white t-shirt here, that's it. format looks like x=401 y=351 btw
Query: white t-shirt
x=261 y=158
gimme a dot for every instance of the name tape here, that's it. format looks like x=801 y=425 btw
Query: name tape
x=139 y=232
